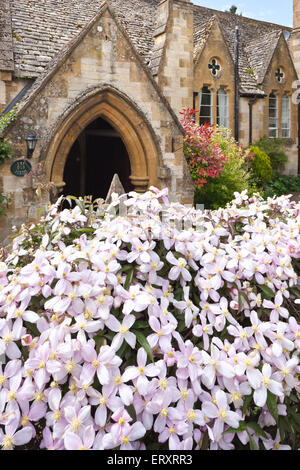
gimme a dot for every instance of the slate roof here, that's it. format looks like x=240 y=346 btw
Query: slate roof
x=258 y=41
x=40 y=29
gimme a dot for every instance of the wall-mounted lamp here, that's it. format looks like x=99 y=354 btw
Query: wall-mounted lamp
x=31 y=141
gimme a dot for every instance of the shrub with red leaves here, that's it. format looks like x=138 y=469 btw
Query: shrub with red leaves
x=204 y=156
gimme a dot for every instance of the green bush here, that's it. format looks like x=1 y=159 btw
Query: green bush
x=236 y=176
x=275 y=149
x=260 y=166
x=282 y=185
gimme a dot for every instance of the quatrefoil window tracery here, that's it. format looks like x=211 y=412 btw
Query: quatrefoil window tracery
x=214 y=67
x=279 y=74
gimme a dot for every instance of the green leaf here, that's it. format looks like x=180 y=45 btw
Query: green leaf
x=268 y=293
x=129 y=278
x=272 y=406
x=242 y=427
x=252 y=442
x=246 y=403
x=256 y=427
x=132 y=412
x=144 y=343
x=123 y=349
x=205 y=441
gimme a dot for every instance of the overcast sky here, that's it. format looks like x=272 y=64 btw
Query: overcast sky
x=274 y=11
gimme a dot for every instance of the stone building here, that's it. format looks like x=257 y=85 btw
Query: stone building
x=101 y=84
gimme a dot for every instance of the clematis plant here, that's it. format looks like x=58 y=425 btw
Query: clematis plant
x=152 y=326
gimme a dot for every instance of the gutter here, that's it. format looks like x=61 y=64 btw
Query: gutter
x=237 y=86
x=18 y=97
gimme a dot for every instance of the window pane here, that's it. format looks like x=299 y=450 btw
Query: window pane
x=273 y=116
x=222 y=108
x=205 y=115
x=286 y=125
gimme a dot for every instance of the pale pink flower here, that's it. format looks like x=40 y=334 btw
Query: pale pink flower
x=266 y=383
x=122 y=330
x=221 y=413
x=73 y=442
x=140 y=373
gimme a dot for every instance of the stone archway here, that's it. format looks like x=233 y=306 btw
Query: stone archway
x=136 y=133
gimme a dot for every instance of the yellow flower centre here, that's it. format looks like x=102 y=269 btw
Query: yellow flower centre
x=70 y=366
x=141 y=370
x=18 y=313
x=266 y=381
x=191 y=415
x=171 y=430
x=2 y=379
x=7 y=442
x=11 y=395
x=286 y=371
x=123 y=330
x=236 y=396
x=223 y=414
x=76 y=423
x=159 y=333
x=8 y=338
x=39 y=396
x=118 y=380
x=163 y=383
x=57 y=416
x=125 y=440
x=164 y=412
x=95 y=363
x=121 y=421
x=184 y=393
x=277 y=446
x=103 y=400
x=24 y=421
x=101 y=300
x=42 y=365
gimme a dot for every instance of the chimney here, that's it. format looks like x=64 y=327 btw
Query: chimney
x=172 y=60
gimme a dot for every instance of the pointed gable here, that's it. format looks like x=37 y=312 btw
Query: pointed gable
x=256 y=43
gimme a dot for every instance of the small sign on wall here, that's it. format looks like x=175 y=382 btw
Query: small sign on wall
x=21 y=167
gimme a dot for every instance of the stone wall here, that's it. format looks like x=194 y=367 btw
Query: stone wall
x=101 y=57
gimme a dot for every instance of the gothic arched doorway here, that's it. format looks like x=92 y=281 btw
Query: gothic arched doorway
x=95 y=157
x=105 y=107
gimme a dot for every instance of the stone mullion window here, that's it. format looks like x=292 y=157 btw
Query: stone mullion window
x=286 y=116
x=206 y=100
x=222 y=108
x=273 y=115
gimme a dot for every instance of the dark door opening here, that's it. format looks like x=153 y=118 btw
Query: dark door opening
x=94 y=158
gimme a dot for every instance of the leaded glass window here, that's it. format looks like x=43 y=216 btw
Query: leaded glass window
x=222 y=108
x=286 y=116
x=205 y=114
x=273 y=116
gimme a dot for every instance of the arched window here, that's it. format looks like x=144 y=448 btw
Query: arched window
x=205 y=114
x=273 y=116
x=286 y=116
x=222 y=108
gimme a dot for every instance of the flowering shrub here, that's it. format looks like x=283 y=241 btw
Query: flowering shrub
x=236 y=175
x=204 y=156
x=131 y=330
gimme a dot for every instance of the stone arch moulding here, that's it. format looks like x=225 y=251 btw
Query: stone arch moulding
x=113 y=106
